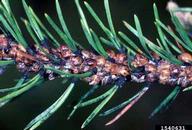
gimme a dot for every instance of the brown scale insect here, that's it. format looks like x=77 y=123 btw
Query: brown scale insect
x=185 y=57
x=3 y=42
x=76 y=60
x=100 y=61
x=139 y=61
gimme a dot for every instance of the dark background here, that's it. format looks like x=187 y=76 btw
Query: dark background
x=19 y=112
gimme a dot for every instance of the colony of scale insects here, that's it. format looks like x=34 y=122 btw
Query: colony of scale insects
x=167 y=61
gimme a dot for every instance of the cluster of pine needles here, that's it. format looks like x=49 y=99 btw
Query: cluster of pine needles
x=164 y=47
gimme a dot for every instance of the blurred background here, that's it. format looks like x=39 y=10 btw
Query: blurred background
x=17 y=114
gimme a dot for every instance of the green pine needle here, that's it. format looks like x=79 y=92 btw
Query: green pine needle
x=30 y=31
x=181 y=9
x=25 y=87
x=174 y=36
x=160 y=51
x=85 y=27
x=164 y=54
x=172 y=45
x=32 y=34
x=98 y=44
x=33 y=22
x=6 y=62
x=98 y=20
x=37 y=121
x=65 y=29
x=115 y=42
x=62 y=35
x=94 y=100
x=130 y=42
x=68 y=75
x=187 y=89
x=16 y=87
x=91 y=91
x=160 y=32
x=109 y=19
x=55 y=42
x=99 y=107
x=141 y=37
x=5 y=7
x=182 y=32
x=8 y=27
x=164 y=104
x=114 y=109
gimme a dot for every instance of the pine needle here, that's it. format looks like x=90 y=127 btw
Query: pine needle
x=16 y=87
x=18 y=90
x=170 y=98
x=141 y=37
x=68 y=75
x=160 y=32
x=114 y=109
x=6 y=62
x=51 y=110
x=95 y=100
x=99 y=107
x=64 y=26
x=35 y=80
x=187 y=89
x=92 y=90
x=127 y=107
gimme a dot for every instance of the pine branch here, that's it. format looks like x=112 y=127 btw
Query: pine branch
x=161 y=61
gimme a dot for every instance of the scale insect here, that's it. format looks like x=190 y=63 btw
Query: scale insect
x=166 y=62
